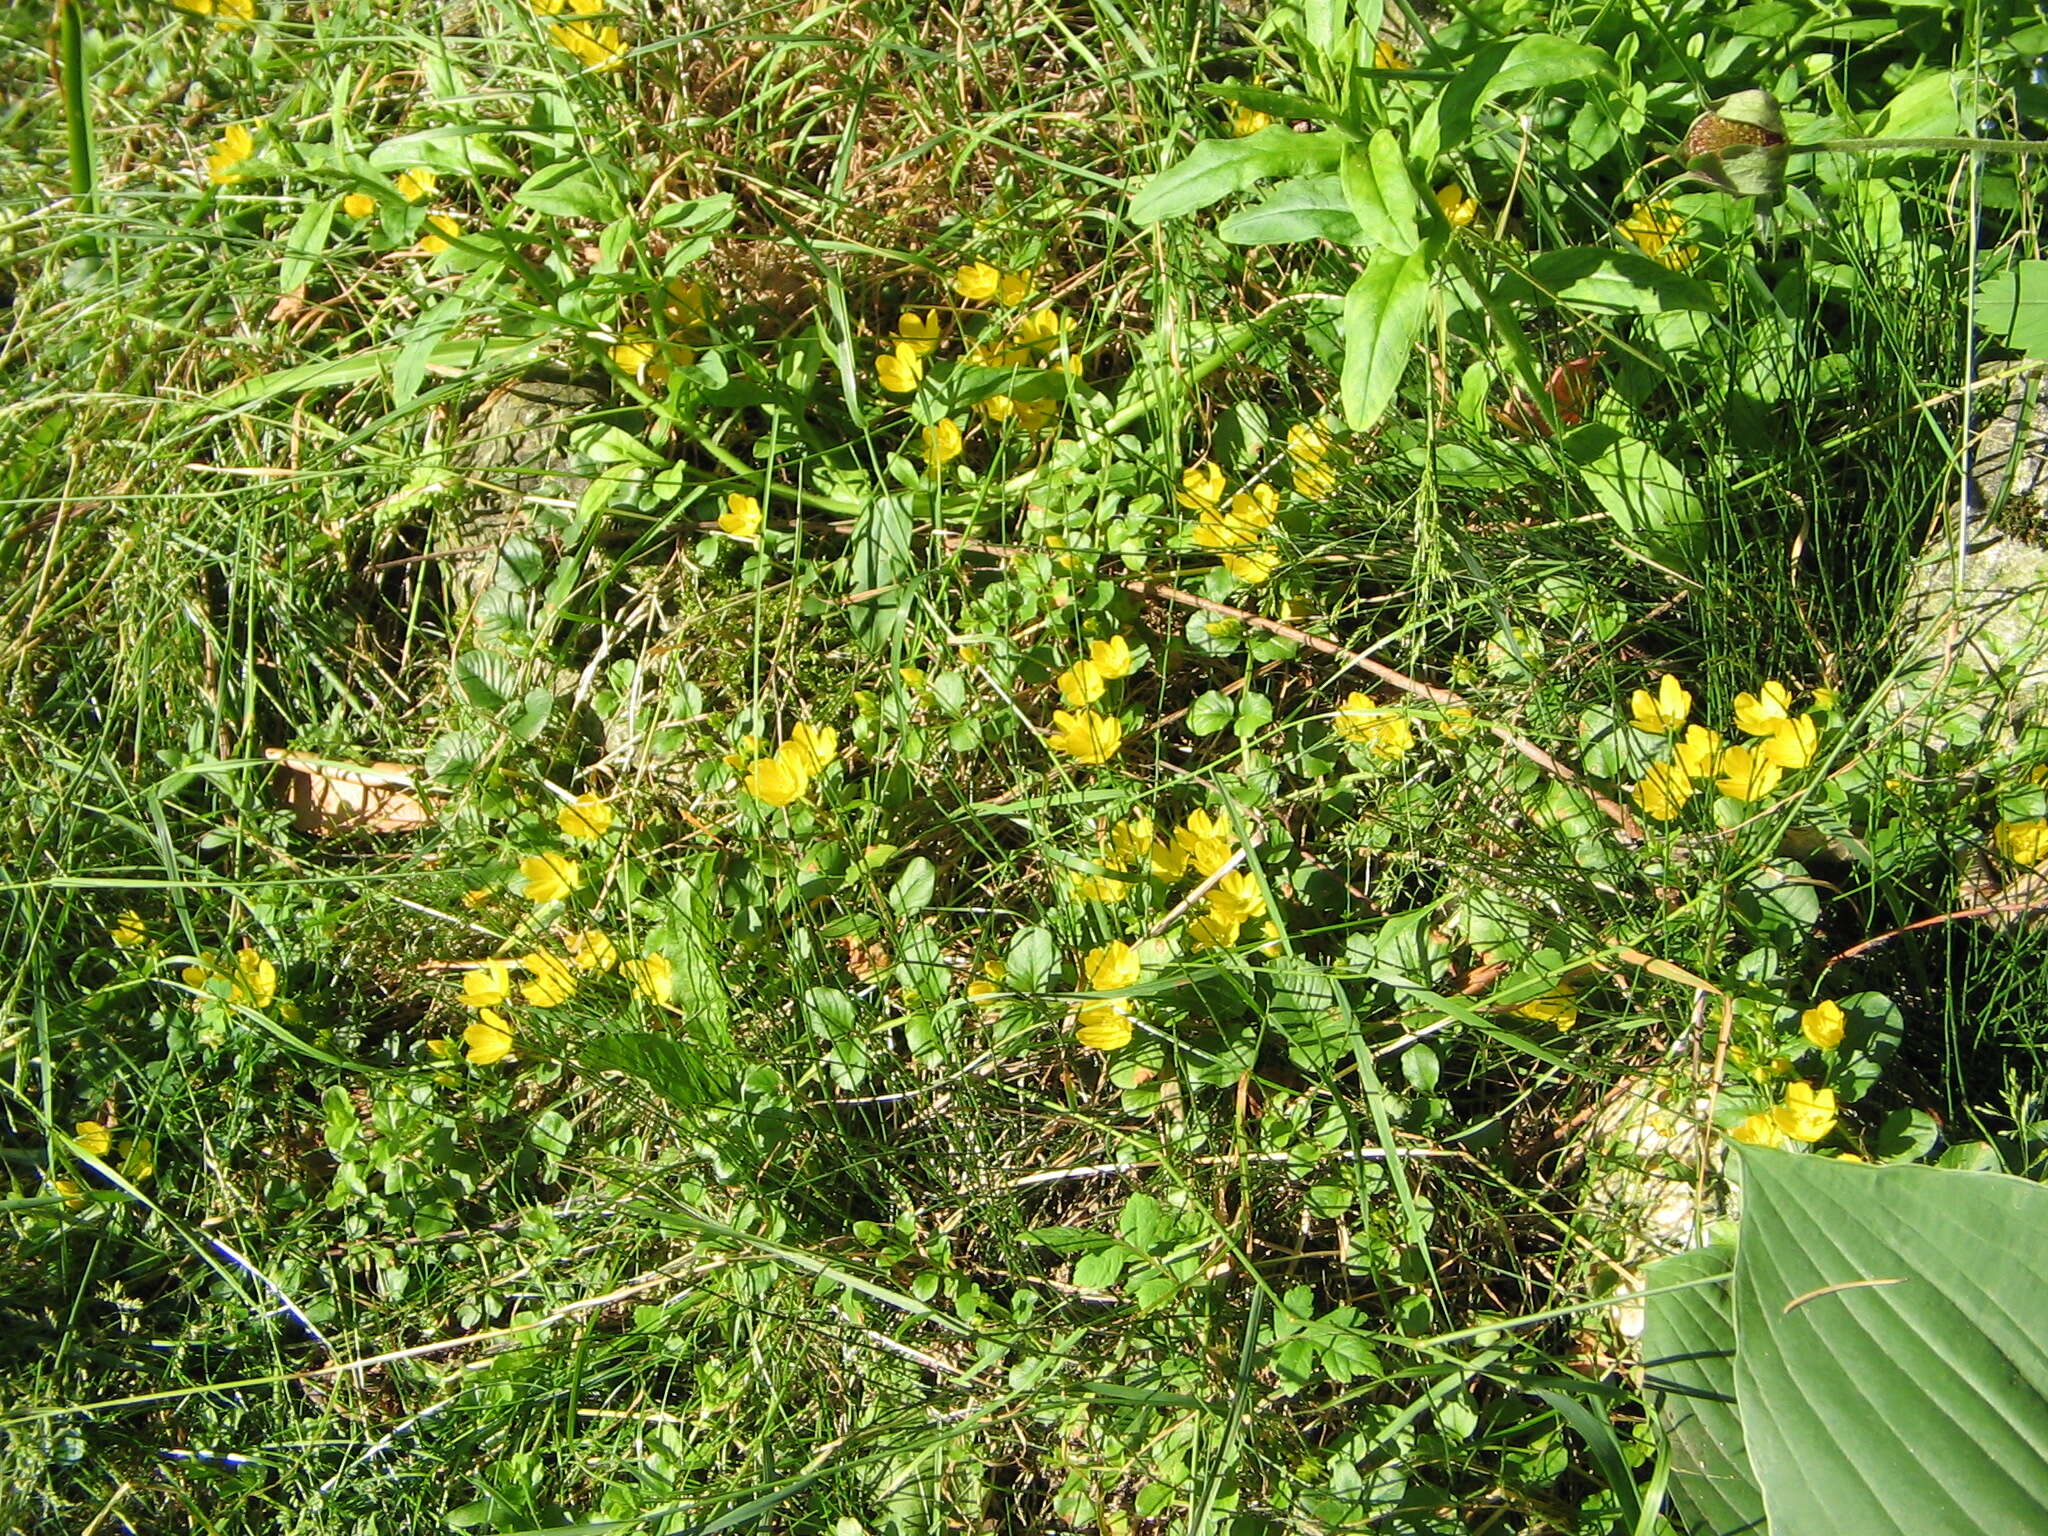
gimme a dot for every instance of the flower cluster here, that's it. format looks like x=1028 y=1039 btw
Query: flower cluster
x=1104 y=1024
x=1083 y=733
x=1385 y=733
x=1308 y=452
x=1805 y=1114
x=1237 y=530
x=784 y=776
x=1036 y=339
x=1781 y=743
x=248 y=981
x=547 y=980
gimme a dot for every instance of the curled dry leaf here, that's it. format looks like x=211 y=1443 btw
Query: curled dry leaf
x=328 y=797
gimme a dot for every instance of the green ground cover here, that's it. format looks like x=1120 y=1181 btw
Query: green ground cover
x=885 y=768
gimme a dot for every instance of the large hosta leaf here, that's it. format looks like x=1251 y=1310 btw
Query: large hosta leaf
x=1892 y=1360
x=1689 y=1364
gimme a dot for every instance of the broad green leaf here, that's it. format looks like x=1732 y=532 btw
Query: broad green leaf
x=1500 y=69
x=1306 y=208
x=1614 y=282
x=429 y=333
x=913 y=889
x=1689 y=1367
x=305 y=244
x=1930 y=108
x=1383 y=314
x=569 y=189
x=1215 y=168
x=2013 y=305
x=1644 y=492
x=1029 y=962
x=464 y=147
x=485 y=679
x=1892 y=1374
x=1210 y=713
x=1380 y=193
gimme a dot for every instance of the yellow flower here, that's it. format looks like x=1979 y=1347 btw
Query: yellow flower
x=1793 y=743
x=1107 y=884
x=549 y=876
x=1213 y=930
x=1665 y=713
x=129 y=931
x=1170 y=858
x=777 y=780
x=901 y=369
x=1824 y=700
x=1114 y=967
x=652 y=976
x=1759 y=713
x=2021 y=842
x=1385 y=731
x=977 y=282
x=236 y=145
x=1559 y=1006
x=1014 y=287
x=488 y=985
x=1747 y=774
x=1202 y=488
x=1131 y=840
x=741 y=517
x=1112 y=657
x=359 y=205
x=1824 y=1024
x=918 y=332
x=1807 y=1114
x=1081 y=684
x=489 y=1039
x=585 y=818
x=591 y=950
x=1104 y=1026
x=686 y=305
x=477 y=898
x=1699 y=754
x=942 y=442
x=595 y=47
x=417 y=184
x=1654 y=228
x=1459 y=209
x=1251 y=514
x=251 y=984
x=1663 y=791
x=1255 y=567
x=1384 y=56
x=985 y=989
x=93 y=1138
x=1308 y=448
x=1086 y=735
x=549 y=980
x=1457 y=722
x=441 y=231
x=1204 y=842
x=1245 y=121
x=646 y=360
x=229 y=13
x=814 y=748
x=1759 y=1130
x=1237 y=898
x=741 y=758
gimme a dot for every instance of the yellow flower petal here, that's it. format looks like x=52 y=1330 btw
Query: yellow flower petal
x=488 y=1040
x=359 y=205
x=977 y=282
x=549 y=981
x=1824 y=1025
x=741 y=518
x=1747 y=774
x=488 y=985
x=585 y=818
x=1663 y=791
x=1086 y=735
x=652 y=976
x=1081 y=684
x=1757 y=713
x=1807 y=1114
x=814 y=748
x=548 y=877
x=777 y=781
x=590 y=950
x=416 y=185
x=1664 y=714
x=1112 y=657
